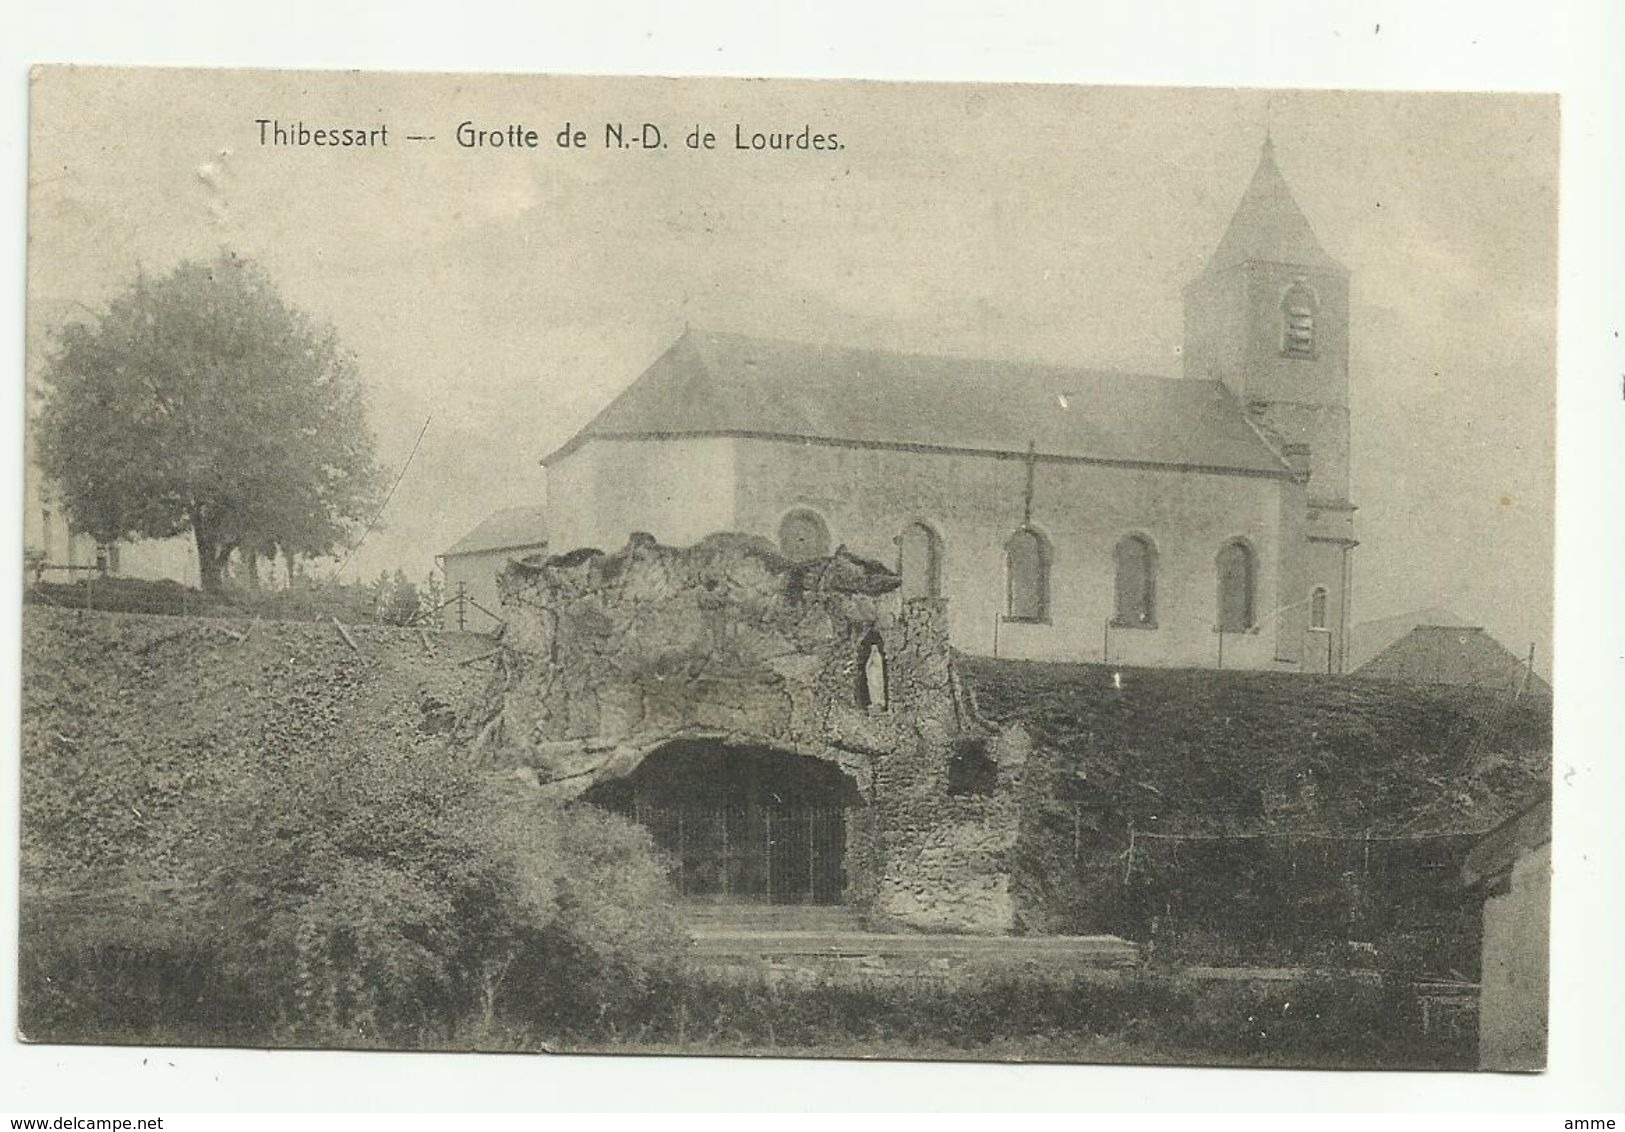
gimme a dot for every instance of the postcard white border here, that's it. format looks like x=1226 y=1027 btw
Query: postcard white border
x=1567 y=46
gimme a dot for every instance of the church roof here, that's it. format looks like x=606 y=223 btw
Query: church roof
x=1268 y=225
x=508 y=529
x=716 y=384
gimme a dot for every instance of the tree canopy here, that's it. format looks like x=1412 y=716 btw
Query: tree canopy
x=201 y=402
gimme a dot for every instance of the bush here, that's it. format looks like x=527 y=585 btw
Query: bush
x=1320 y=790
x=398 y=896
x=609 y=939
x=1334 y=1020
x=276 y=841
x=416 y=919
x=125 y=966
x=128 y=595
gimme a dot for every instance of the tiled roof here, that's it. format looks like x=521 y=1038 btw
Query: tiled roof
x=503 y=530
x=1268 y=225
x=1369 y=638
x=1453 y=654
x=715 y=384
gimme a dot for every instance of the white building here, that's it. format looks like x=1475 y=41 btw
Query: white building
x=472 y=563
x=54 y=552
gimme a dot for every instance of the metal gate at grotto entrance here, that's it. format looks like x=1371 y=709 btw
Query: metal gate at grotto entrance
x=741 y=824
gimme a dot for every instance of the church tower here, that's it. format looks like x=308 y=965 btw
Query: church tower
x=1269 y=317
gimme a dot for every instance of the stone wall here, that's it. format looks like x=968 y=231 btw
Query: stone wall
x=609 y=658
x=679 y=489
x=973 y=502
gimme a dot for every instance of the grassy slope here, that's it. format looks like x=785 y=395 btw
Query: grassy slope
x=1195 y=750
x=132 y=725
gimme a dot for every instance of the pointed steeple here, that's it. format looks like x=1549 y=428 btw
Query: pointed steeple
x=1269 y=225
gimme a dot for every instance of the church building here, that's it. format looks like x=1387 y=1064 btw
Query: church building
x=1062 y=513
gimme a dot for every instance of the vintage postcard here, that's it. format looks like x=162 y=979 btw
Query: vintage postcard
x=820 y=569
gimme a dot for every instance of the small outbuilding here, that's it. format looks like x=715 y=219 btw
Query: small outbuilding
x=472 y=564
x=1512 y=869
x=1459 y=654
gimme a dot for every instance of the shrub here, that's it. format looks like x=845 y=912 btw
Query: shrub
x=398 y=895
x=123 y=966
x=610 y=938
x=275 y=841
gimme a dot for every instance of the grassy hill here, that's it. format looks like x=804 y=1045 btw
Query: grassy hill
x=1261 y=817
x=1193 y=750
x=134 y=726
x=276 y=833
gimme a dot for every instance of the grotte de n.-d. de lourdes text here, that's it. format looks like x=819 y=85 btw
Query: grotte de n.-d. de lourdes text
x=472 y=135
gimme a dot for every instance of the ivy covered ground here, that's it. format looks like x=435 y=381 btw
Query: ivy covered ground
x=1204 y=751
x=1263 y=818
x=240 y=832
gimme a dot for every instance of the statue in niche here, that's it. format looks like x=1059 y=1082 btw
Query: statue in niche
x=874 y=674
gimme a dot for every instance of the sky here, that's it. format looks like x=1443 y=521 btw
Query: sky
x=504 y=296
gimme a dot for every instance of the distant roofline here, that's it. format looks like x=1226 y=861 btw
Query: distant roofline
x=581 y=438
x=452 y=551
x=507 y=528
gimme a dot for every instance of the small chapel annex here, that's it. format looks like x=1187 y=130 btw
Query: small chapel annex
x=1063 y=513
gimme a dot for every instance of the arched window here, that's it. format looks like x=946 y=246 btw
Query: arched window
x=1136 y=583
x=1298 y=309
x=1026 y=562
x=1317 y=608
x=919 y=561
x=802 y=535
x=1235 y=565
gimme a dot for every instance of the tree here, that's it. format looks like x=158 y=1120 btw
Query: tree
x=395 y=599
x=201 y=402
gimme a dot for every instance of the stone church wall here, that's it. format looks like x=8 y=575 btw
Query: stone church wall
x=674 y=489
x=684 y=490
x=974 y=503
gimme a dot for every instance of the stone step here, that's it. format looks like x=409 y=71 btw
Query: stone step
x=833 y=943
x=859 y=958
x=1007 y=950
x=712 y=919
